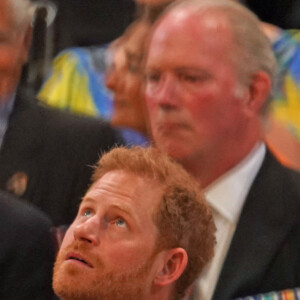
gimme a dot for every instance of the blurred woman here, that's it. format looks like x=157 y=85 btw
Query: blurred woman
x=79 y=75
x=124 y=75
x=124 y=78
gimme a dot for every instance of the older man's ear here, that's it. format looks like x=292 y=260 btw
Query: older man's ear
x=258 y=92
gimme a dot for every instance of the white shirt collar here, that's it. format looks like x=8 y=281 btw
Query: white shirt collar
x=227 y=194
x=6 y=107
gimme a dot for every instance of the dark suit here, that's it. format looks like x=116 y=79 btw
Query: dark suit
x=54 y=152
x=265 y=251
x=26 y=251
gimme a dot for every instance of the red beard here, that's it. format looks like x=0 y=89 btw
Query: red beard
x=75 y=282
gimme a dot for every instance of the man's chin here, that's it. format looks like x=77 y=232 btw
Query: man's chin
x=174 y=148
x=69 y=282
x=69 y=288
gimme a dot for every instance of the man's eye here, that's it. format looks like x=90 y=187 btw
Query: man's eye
x=194 y=78
x=121 y=223
x=191 y=78
x=152 y=77
x=87 y=212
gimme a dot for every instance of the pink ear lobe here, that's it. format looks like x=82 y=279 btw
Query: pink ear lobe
x=259 y=91
x=175 y=263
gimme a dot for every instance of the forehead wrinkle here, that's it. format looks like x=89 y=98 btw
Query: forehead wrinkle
x=122 y=206
x=108 y=191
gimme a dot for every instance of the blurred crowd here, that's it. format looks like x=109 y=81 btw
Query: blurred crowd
x=205 y=82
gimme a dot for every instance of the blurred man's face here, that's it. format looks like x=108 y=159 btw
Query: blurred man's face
x=13 y=51
x=109 y=250
x=191 y=87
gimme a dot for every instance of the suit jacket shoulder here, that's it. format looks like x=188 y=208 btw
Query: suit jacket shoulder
x=26 y=251
x=264 y=253
x=53 y=152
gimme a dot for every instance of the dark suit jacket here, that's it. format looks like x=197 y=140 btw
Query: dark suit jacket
x=265 y=251
x=26 y=251
x=54 y=150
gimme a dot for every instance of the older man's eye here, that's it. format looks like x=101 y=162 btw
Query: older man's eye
x=194 y=77
x=152 y=77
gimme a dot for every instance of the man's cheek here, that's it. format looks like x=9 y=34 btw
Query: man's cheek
x=68 y=239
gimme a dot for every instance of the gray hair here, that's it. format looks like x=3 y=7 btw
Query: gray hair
x=253 y=51
x=23 y=11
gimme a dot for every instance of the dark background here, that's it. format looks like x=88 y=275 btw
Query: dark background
x=283 y=13
x=91 y=22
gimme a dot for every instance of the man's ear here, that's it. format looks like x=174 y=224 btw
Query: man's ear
x=26 y=42
x=174 y=263
x=259 y=91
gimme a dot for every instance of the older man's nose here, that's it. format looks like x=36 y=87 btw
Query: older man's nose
x=165 y=94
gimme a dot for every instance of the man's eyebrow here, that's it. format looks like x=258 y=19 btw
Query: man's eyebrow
x=191 y=69
x=124 y=208
x=87 y=200
x=194 y=71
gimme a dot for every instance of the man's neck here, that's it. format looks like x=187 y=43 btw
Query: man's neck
x=210 y=167
x=161 y=293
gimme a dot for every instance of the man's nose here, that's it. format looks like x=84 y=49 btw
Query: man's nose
x=166 y=94
x=88 y=231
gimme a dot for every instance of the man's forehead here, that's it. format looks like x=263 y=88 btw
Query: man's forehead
x=209 y=34
x=125 y=185
x=194 y=20
x=118 y=178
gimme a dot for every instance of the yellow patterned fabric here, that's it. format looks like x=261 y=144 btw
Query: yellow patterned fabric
x=76 y=83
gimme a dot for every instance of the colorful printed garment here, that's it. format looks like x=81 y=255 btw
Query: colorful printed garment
x=283 y=295
x=77 y=83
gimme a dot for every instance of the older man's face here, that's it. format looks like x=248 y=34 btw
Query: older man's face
x=13 y=50
x=192 y=91
x=109 y=250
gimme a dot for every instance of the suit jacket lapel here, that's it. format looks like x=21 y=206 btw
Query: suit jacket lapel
x=23 y=141
x=261 y=228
